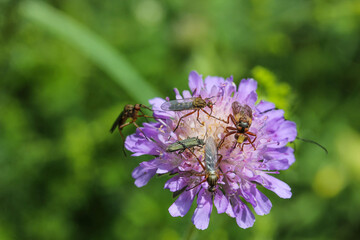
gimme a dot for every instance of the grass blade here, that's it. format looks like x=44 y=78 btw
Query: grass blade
x=93 y=46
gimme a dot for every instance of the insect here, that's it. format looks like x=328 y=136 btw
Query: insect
x=242 y=119
x=211 y=168
x=129 y=112
x=196 y=104
x=182 y=145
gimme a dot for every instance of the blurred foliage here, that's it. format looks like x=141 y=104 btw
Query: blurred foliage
x=65 y=76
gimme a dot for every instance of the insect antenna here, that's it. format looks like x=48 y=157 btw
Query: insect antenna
x=313 y=142
x=144 y=106
x=269 y=110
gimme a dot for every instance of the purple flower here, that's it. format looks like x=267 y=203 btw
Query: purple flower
x=253 y=161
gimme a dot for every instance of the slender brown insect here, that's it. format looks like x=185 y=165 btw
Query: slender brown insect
x=196 y=104
x=130 y=112
x=211 y=168
x=242 y=119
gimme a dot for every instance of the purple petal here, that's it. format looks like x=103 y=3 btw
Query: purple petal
x=182 y=205
x=280 y=130
x=245 y=218
x=176 y=183
x=279 y=158
x=177 y=94
x=186 y=94
x=229 y=86
x=212 y=84
x=139 y=145
x=195 y=83
x=277 y=186
x=251 y=98
x=277 y=164
x=143 y=173
x=202 y=213
x=246 y=193
x=247 y=87
x=220 y=201
x=167 y=163
x=263 y=106
x=263 y=204
x=230 y=211
x=287 y=130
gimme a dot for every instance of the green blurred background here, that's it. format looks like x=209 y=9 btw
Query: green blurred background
x=68 y=68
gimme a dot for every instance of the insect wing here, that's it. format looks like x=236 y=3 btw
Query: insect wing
x=210 y=154
x=178 y=105
x=245 y=110
x=119 y=120
x=236 y=107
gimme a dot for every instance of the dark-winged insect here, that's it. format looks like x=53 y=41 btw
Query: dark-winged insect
x=242 y=119
x=196 y=104
x=182 y=145
x=211 y=168
x=130 y=112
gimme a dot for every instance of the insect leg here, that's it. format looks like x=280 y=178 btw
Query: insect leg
x=137 y=126
x=196 y=185
x=123 y=138
x=252 y=142
x=197 y=118
x=145 y=116
x=182 y=118
x=124 y=125
x=232 y=119
x=219 y=160
x=212 y=115
x=227 y=121
x=228 y=134
x=248 y=143
x=202 y=165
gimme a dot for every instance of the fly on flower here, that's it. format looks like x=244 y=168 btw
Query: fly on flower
x=238 y=174
x=211 y=170
x=196 y=104
x=242 y=118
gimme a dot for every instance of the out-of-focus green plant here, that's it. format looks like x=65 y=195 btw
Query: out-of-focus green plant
x=92 y=45
x=271 y=89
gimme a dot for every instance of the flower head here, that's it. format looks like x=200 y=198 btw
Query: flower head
x=241 y=144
